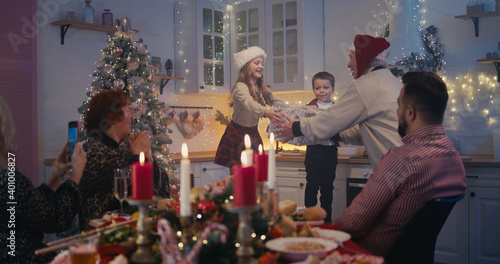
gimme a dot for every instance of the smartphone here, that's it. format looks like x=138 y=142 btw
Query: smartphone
x=72 y=137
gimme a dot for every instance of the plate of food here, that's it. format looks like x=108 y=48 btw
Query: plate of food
x=298 y=248
x=334 y=235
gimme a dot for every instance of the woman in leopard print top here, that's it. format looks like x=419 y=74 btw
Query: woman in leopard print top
x=107 y=123
x=28 y=212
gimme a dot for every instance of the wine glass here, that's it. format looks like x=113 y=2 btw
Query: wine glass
x=121 y=187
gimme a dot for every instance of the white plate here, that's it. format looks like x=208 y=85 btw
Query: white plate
x=334 y=235
x=292 y=154
x=280 y=245
x=320 y=222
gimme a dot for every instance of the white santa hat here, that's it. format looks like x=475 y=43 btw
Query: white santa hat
x=245 y=56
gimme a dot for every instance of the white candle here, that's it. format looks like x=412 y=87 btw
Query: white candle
x=248 y=151
x=271 y=165
x=185 y=207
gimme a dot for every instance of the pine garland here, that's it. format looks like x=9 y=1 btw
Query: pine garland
x=432 y=61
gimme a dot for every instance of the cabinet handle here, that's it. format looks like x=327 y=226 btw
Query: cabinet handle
x=204 y=169
x=472 y=176
x=301 y=185
x=472 y=194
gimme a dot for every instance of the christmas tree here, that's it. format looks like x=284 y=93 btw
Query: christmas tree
x=124 y=66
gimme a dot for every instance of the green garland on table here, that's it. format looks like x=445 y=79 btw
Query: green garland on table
x=432 y=61
x=205 y=212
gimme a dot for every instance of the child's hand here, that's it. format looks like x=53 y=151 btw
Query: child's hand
x=274 y=116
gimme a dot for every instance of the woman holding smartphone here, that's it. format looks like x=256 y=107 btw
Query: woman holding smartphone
x=28 y=212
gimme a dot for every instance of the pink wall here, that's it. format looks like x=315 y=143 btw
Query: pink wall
x=18 y=79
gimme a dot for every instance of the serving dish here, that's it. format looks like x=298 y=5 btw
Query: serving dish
x=334 y=235
x=280 y=245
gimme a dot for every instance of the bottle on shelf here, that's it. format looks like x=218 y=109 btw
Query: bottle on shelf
x=107 y=17
x=88 y=13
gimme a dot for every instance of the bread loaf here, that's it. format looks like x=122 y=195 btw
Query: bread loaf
x=287 y=207
x=288 y=226
x=314 y=213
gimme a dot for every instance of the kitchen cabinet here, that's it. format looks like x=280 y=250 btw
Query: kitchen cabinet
x=206 y=172
x=287 y=31
x=294 y=46
x=202 y=47
x=248 y=28
x=291 y=179
x=471 y=233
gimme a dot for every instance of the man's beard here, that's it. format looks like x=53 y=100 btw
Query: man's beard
x=402 y=127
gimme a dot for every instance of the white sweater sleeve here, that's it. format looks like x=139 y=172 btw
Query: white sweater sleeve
x=347 y=112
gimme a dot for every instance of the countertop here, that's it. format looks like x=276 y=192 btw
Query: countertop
x=202 y=156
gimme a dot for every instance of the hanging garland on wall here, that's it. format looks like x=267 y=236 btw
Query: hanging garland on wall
x=432 y=61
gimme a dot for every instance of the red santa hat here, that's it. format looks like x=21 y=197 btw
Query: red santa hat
x=367 y=48
x=245 y=56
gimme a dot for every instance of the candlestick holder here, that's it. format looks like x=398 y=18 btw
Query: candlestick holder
x=244 y=235
x=186 y=238
x=143 y=253
x=270 y=206
x=261 y=193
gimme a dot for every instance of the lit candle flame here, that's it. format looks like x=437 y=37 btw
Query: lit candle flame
x=184 y=151
x=244 y=160
x=247 y=141
x=271 y=138
x=141 y=158
x=260 y=149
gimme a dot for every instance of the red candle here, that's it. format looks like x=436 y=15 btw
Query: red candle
x=142 y=179
x=260 y=160
x=244 y=184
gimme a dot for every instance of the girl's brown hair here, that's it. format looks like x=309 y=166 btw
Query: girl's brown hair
x=263 y=94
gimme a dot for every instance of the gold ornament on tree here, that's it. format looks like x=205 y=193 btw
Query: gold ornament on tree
x=133 y=64
x=119 y=84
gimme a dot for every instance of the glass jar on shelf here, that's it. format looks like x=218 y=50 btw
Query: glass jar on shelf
x=107 y=17
x=88 y=13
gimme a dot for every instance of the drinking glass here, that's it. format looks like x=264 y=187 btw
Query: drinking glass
x=121 y=187
x=85 y=251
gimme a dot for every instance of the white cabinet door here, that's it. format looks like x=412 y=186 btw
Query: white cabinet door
x=339 y=197
x=210 y=172
x=484 y=231
x=292 y=189
x=294 y=45
x=452 y=242
x=248 y=26
x=291 y=178
x=202 y=47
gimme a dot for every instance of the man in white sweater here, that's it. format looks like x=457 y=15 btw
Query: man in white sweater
x=366 y=113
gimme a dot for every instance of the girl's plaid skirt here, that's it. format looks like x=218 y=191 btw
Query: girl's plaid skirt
x=232 y=144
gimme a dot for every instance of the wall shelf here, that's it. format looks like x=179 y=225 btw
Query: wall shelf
x=497 y=66
x=65 y=24
x=475 y=19
x=165 y=80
